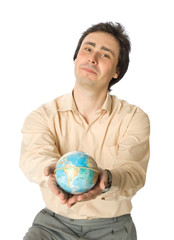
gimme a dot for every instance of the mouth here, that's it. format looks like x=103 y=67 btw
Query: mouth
x=89 y=70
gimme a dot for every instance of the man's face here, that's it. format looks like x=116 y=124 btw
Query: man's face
x=97 y=60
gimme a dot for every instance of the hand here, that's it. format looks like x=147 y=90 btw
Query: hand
x=49 y=171
x=93 y=193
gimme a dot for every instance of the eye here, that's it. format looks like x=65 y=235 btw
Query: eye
x=88 y=49
x=105 y=55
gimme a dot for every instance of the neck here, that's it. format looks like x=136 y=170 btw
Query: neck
x=88 y=102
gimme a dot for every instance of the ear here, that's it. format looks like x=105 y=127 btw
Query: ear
x=116 y=74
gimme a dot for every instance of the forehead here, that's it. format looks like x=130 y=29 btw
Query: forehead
x=102 y=39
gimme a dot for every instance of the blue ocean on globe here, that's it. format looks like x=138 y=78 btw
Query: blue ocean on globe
x=76 y=172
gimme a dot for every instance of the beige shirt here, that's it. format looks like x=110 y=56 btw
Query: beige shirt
x=117 y=138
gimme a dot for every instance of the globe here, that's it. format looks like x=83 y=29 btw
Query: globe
x=76 y=172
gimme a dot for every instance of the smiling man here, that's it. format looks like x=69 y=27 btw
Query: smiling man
x=95 y=66
x=114 y=132
x=97 y=61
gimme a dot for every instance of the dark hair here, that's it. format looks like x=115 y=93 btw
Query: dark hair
x=118 y=31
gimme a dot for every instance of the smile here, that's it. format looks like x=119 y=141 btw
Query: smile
x=89 y=70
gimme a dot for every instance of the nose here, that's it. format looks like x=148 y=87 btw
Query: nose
x=92 y=59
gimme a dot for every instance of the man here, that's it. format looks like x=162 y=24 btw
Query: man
x=113 y=132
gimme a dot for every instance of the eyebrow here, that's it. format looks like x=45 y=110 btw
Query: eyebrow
x=102 y=48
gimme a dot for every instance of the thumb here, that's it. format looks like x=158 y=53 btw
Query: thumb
x=103 y=179
x=49 y=169
x=103 y=185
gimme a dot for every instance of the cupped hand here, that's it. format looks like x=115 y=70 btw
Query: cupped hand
x=93 y=193
x=52 y=184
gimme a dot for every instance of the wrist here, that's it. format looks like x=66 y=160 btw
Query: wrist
x=109 y=184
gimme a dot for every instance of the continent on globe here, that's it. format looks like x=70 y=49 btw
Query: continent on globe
x=76 y=172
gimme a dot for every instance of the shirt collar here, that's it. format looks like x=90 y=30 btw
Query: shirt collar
x=68 y=103
x=107 y=104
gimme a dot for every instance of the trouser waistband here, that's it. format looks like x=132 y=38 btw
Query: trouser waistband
x=89 y=221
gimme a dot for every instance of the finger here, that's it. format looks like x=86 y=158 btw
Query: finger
x=92 y=194
x=46 y=171
x=70 y=205
x=72 y=200
x=65 y=199
x=88 y=196
x=63 y=196
x=53 y=185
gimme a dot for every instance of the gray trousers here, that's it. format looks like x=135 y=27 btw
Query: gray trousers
x=50 y=226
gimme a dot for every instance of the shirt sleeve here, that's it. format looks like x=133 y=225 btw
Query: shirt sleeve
x=129 y=173
x=38 y=148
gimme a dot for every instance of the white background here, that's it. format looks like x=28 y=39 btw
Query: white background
x=37 y=43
